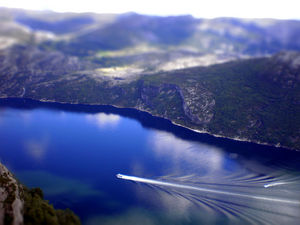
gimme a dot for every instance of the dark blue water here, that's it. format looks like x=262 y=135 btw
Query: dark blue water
x=74 y=153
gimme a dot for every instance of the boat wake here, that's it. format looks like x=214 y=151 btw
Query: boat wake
x=253 y=204
x=219 y=192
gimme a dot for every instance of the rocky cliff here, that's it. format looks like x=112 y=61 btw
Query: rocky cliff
x=20 y=205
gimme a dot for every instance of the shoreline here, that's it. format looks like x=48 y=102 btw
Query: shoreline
x=158 y=116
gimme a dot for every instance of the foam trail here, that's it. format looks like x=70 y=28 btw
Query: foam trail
x=275 y=184
x=182 y=186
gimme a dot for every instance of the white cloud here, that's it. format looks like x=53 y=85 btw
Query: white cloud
x=199 y=8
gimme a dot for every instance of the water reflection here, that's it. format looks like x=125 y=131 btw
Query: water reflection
x=219 y=185
x=134 y=216
x=53 y=185
x=186 y=155
x=104 y=120
x=75 y=163
x=37 y=148
x=25 y=117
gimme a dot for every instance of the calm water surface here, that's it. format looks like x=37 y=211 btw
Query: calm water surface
x=75 y=152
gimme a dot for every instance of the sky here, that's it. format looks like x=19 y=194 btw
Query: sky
x=287 y=9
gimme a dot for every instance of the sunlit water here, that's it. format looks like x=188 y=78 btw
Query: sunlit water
x=169 y=174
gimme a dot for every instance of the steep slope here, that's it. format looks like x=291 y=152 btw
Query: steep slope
x=22 y=65
x=11 y=206
x=20 y=205
x=254 y=99
x=129 y=60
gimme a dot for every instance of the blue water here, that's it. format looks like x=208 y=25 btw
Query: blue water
x=74 y=153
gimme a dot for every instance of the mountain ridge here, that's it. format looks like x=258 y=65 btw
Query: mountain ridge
x=235 y=99
x=237 y=78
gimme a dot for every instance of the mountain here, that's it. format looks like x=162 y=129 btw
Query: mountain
x=252 y=99
x=183 y=40
x=229 y=77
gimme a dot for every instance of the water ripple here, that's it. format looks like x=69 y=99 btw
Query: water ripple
x=245 y=200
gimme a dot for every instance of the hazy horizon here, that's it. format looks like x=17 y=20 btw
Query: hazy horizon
x=213 y=9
